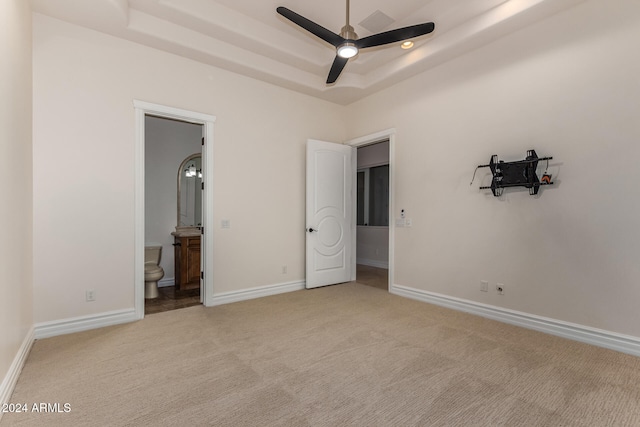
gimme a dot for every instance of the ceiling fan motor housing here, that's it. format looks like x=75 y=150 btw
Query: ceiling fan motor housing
x=348 y=33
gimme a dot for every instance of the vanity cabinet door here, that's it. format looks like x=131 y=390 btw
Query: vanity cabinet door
x=193 y=262
x=187 y=262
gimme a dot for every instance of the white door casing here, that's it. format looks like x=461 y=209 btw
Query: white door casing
x=330 y=223
x=143 y=108
x=387 y=134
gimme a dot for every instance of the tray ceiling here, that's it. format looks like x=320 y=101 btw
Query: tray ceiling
x=248 y=36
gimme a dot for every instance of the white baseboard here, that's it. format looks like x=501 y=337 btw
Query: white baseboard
x=84 y=323
x=167 y=281
x=598 y=337
x=373 y=263
x=10 y=380
x=259 y=292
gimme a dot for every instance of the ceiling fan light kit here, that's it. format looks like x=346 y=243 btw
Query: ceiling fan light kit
x=347 y=50
x=348 y=44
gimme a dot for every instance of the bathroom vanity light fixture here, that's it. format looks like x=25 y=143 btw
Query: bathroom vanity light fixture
x=191 y=171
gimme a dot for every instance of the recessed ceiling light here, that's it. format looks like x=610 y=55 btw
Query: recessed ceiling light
x=407 y=45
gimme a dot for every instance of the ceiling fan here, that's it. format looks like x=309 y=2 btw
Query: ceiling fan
x=347 y=43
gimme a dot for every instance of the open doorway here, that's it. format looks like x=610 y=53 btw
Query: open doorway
x=206 y=126
x=173 y=213
x=372 y=214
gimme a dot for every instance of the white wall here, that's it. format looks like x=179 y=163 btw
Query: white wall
x=373 y=155
x=567 y=87
x=16 y=313
x=167 y=144
x=372 y=242
x=372 y=246
x=84 y=86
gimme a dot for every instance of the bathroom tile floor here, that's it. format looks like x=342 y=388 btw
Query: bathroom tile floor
x=171 y=299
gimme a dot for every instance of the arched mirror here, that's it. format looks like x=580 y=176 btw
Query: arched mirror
x=190 y=192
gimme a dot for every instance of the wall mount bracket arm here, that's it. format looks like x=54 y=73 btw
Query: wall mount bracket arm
x=521 y=173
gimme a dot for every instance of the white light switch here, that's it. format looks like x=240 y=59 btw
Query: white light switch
x=225 y=223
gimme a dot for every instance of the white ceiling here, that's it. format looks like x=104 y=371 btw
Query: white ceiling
x=248 y=36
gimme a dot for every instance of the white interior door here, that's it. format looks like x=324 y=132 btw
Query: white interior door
x=330 y=228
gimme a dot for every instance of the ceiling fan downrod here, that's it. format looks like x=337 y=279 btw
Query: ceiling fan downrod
x=348 y=48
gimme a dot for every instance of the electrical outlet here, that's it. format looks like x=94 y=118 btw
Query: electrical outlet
x=500 y=288
x=484 y=286
x=91 y=295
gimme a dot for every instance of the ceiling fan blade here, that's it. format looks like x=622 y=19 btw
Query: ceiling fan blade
x=318 y=30
x=395 y=35
x=336 y=69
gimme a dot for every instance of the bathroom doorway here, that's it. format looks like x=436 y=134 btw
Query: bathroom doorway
x=166 y=140
x=173 y=197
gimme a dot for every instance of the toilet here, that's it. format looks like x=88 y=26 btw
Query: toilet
x=152 y=270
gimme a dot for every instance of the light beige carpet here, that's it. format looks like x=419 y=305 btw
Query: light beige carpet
x=345 y=355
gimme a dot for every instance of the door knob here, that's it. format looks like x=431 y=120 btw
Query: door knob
x=311 y=230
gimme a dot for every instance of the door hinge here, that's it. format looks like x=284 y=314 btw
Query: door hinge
x=203 y=186
x=203 y=140
x=201 y=230
x=202 y=275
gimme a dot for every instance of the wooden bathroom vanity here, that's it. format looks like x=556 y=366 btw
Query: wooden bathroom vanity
x=187 y=257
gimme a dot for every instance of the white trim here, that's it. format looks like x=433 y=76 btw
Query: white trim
x=84 y=323
x=387 y=134
x=142 y=109
x=174 y=113
x=373 y=227
x=138 y=214
x=166 y=282
x=372 y=263
x=259 y=292
x=372 y=138
x=598 y=337
x=207 y=254
x=11 y=378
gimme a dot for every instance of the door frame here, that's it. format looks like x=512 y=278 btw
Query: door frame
x=361 y=142
x=143 y=109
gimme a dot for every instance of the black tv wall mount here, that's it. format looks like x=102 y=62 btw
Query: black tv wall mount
x=521 y=173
